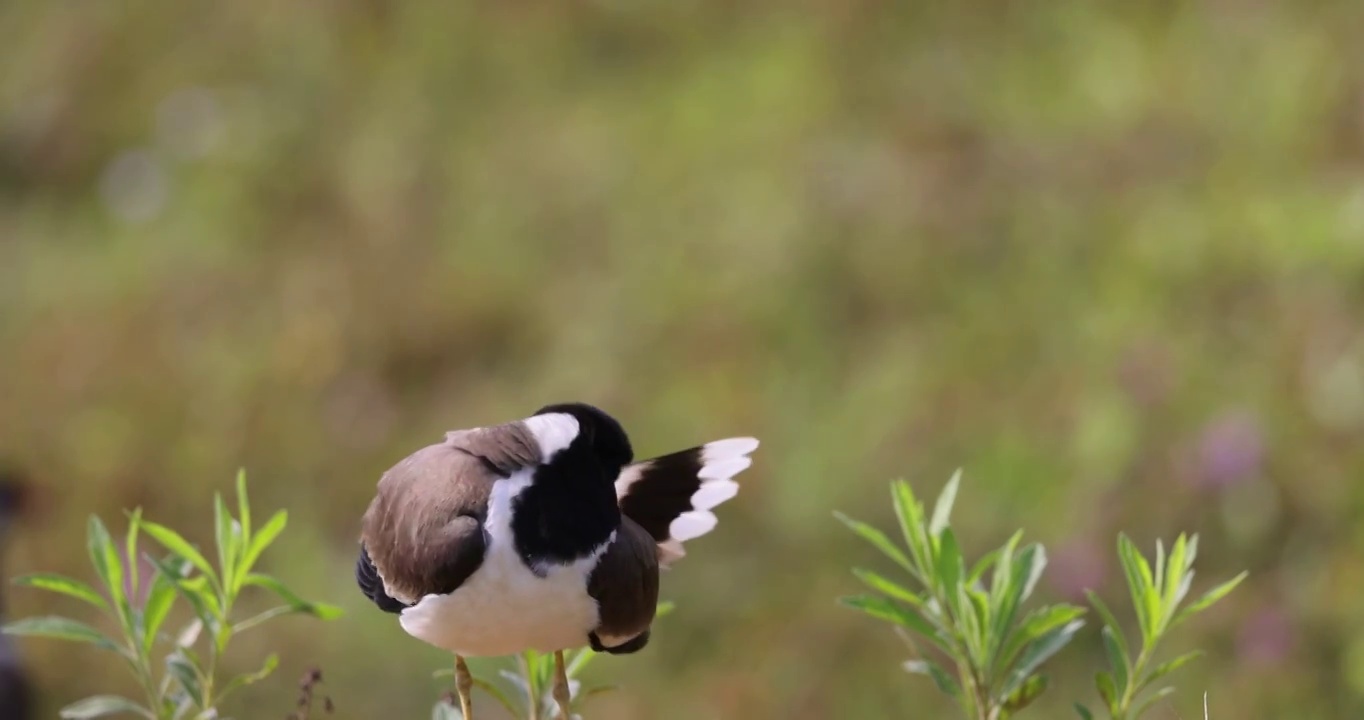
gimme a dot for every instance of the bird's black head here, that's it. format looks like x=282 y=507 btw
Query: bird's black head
x=602 y=433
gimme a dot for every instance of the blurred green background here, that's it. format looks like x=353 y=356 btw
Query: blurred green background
x=1106 y=257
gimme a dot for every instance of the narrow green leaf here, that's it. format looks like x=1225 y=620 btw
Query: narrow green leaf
x=1038 y=652
x=883 y=609
x=987 y=561
x=1030 y=690
x=268 y=533
x=942 y=509
x=1002 y=584
x=1146 y=704
x=1168 y=667
x=879 y=540
x=1083 y=712
x=160 y=599
x=243 y=507
x=1034 y=559
x=1104 y=683
x=1159 y=569
x=201 y=600
x=1138 y=584
x=973 y=621
x=130 y=545
x=64 y=585
x=886 y=587
x=1211 y=597
x=1035 y=624
x=222 y=534
x=1175 y=575
x=173 y=542
x=1109 y=621
x=187 y=674
x=318 y=610
x=949 y=564
x=1116 y=660
x=945 y=682
x=60 y=628
x=104 y=556
x=912 y=526
x=102 y=706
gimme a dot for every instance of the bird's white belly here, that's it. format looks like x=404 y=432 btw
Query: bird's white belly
x=503 y=608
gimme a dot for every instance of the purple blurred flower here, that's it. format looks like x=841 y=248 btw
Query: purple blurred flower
x=1267 y=638
x=1230 y=451
x=1076 y=566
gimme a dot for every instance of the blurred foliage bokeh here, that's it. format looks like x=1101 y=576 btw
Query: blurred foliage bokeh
x=1106 y=257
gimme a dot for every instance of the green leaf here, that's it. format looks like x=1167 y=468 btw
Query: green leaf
x=1083 y=712
x=1104 y=683
x=201 y=600
x=222 y=533
x=879 y=540
x=949 y=564
x=1145 y=705
x=1030 y=690
x=243 y=507
x=1109 y=621
x=130 y=545
x=1034 y=559
x=271 y=662
x=1140 y=584
x=1210 y=597
x=104 y=556
x=1159 y=569
x=318 y=610
x=64 y=585
x=888 y=588
x=102 y=706
x=945 y=682
x=910 y=515
x=942 y=509
x=1116 y=660
x=160 y=598
x=1035 y=624
x=182 y=666
x=60 y=628
x=173 y=542
x=268 y=533
x=883 y=609
x=1168 y=667
x=1002 y=583
x=986 y=561
x=1038 y=652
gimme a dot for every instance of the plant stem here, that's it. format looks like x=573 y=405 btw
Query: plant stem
x=1138 y=669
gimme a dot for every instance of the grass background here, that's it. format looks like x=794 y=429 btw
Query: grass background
x=1107 y=257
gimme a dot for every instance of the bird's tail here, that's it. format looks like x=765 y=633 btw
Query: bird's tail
x=672 y=496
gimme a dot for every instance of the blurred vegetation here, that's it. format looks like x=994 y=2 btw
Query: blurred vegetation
x=1109 y=258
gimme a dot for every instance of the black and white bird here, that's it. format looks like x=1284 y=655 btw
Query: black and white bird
x=541 y=533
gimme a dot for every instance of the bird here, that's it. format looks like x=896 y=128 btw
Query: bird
x=542 y=533
x=16 y=690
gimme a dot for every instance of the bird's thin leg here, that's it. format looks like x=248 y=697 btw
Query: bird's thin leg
x=561 y=695
x=464 y=684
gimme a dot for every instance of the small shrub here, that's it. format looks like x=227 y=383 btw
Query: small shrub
x=185 y=683
x=976 y=642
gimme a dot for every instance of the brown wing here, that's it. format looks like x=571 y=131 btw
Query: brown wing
x=625 y=586
x=423 y=532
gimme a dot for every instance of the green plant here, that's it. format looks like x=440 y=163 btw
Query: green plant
x=994 y=648
x=1156 y=596
x=524 y=690
x=188 y=685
